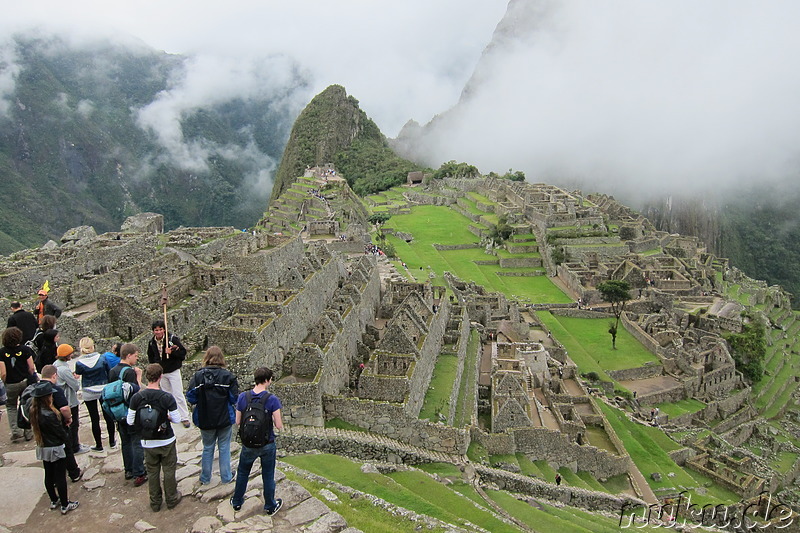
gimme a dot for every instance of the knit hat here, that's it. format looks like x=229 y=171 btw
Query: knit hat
x=64 y=350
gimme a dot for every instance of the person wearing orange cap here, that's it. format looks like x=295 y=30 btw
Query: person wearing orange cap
x=70 y=383
x=45 y=306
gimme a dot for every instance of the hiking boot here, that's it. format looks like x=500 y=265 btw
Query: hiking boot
x=176 y=502
x=278 y=505
x=139 y=481
x=28 y=434
x=69 y=507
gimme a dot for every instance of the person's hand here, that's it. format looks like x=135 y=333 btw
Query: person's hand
x=138 y=371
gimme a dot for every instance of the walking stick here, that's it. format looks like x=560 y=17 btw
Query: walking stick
x=163 y=302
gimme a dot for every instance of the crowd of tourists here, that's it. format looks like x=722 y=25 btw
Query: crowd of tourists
x=45 y=381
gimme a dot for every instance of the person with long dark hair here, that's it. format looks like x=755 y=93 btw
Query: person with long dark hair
x=51 y=441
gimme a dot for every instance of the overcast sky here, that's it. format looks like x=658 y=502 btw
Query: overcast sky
x=622 y=94
x=401 y=60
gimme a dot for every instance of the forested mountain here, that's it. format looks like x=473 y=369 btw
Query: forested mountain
x=91 y=133
x=333 y=129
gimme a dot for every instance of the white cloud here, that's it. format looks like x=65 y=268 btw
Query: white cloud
x=9 y=70
x=640 y=95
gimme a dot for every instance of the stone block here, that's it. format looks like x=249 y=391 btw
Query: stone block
x=305 y=512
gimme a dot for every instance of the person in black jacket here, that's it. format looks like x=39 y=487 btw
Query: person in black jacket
x=46 y=306
x=51 y=440
x=24 y=320
x=214 y=390
x=169 y=353
x=16 y=368
x=48 y=349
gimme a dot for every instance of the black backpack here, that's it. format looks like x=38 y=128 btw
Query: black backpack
x=152 y=420
x=256 y=423
x=24 y=408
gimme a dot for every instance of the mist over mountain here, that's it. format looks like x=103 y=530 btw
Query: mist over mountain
x=91 y=132
x=685 y=111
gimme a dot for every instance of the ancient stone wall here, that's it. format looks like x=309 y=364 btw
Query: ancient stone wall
x=649 y=370
x=391 y=420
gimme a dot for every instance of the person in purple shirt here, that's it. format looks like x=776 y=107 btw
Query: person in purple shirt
x=272 y=405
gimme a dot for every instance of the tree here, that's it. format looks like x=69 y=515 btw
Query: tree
x=617 y=293
x=501 y=231
x=379 y=218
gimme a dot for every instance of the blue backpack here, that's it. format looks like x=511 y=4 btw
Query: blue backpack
x=116 y=397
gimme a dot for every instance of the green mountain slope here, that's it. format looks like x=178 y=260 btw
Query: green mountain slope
x=73 y=150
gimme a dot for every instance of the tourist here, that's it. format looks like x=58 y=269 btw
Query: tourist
x=46 y=322
x=60 y=402
x=46 y=306
x=169 y=353
x=558 y=479
x=67 y=381
x=261 y=396
x=51 y=441
x=47 y=350
x=158 y=442
x=132 y=454
x=94 y=370
x=112 y=356
x=214 y=390
x=16 y=368
x=24 y=320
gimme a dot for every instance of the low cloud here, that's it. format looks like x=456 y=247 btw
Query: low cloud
x=9 y=70
x=207 y=81
x=635 y=96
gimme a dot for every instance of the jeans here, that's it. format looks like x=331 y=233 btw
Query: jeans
x=248 y=456
x=157 y=459
x=132 y=453
x=222 y=438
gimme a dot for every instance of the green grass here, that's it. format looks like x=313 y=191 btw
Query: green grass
x=358 y=512
x=784 y=461
x=448 y=505
x=689 y=405
x=547 y=471
x=441 y=225
x=549 y=518
x=466 y=391
x=476 y=452
x=617 y=484
x=646 y=449
x=437 y=398
x=528 y=467
x=589 y=344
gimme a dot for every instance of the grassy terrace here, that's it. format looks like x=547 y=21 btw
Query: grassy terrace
x=673 y=409
x=457 y=503
x=437 y=224
x=466 y=391
x=437 y=397
x=649 y=447
x=589 y=344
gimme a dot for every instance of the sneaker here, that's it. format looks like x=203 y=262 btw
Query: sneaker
x=278 y=505
x=69 y=507
x=128 y=476
x=178 y=498
x=113 y=445
x=96 y=448
x=139 y=481
x=186 y=424
x=77 y=478
x=235 y=507
x=54 y=505
x=28 y=434
x=82 y=449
